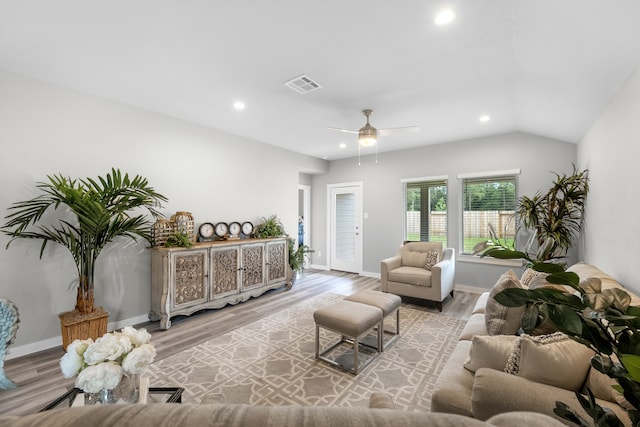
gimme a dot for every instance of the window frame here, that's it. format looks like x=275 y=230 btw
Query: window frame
x=478 y=176
x=429 y=179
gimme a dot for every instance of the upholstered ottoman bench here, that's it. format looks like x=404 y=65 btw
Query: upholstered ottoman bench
x=353 y=321
x=388 y=303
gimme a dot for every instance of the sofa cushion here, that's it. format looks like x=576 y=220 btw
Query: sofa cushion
x=476 y=325
x=452 y=392
x=520 y=418
x=432 y=259
x=481 y=304
x=490 y=352
x=601 y=386
x=502 y=320
x=585 y=271
x=554 y=359
x=496 y=392
x=171 y=415
x=413 y=275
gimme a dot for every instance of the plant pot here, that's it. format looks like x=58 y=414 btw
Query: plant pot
x=75 y=325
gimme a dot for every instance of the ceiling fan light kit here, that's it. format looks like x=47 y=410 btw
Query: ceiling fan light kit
x=368 y=135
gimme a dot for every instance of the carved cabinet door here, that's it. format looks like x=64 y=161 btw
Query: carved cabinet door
x=225 y=267
x=277 y=261
x=189 y=282
x=252 y=262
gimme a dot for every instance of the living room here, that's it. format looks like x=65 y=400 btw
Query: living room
x=49 y=128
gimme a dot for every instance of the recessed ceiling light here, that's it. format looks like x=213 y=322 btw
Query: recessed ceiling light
x=343 y=145
x=444 y=17
x=238 y=105
x=484 y=118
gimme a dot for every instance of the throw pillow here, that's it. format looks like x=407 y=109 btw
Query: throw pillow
x=414 y=259
x=433 y=258
x=490 y=352
x=539 y=281
x=532 y=278
x=554 y=359
x=500 y=319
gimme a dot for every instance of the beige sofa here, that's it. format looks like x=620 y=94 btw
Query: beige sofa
x=491 y=391
x=380 y=413
x=405 y=273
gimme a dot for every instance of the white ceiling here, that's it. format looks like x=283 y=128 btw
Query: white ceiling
x=546 y=67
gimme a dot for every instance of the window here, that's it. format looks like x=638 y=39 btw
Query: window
x=425 y=208
x=488 y=201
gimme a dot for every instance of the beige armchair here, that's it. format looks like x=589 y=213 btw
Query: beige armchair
x=405 y=274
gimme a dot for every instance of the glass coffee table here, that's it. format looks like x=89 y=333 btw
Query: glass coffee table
x=155 y=395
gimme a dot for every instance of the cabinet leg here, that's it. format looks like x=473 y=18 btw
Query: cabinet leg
x=165 y=322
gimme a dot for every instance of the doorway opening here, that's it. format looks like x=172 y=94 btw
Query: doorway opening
x=304 y=217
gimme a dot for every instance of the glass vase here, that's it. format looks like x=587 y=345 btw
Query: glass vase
x=103 y=397
x=128 y=390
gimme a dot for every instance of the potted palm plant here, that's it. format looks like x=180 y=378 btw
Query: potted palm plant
x=90 y=214
x=553 y=220
x=555 y=217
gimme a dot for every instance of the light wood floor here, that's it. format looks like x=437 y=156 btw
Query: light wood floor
x=40 y=381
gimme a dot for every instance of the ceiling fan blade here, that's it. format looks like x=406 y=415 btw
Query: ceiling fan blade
x=343 y=130
x=389 y=131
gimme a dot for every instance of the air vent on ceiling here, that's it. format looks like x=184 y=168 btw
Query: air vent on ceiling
x=302 y=84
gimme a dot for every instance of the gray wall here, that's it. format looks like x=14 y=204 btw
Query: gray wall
x=46 y=129
x=611 y=152
x=536 y=156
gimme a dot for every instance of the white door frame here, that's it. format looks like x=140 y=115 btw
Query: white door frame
x=359 y=208
x=306 y=212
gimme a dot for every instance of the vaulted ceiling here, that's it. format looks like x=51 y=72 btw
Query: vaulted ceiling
x=546 y=67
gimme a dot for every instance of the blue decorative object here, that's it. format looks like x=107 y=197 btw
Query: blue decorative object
x=8 y=328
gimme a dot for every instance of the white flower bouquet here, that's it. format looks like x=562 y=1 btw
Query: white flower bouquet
x=100 y=364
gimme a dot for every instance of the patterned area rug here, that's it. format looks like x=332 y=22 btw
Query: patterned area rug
x=271 y=362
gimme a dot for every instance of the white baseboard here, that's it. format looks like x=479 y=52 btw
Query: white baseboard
x=370 y=274
x=34 y=347
x=319 y=267
x=470 y=289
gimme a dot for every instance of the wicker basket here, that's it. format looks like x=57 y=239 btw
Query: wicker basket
x=74 y=325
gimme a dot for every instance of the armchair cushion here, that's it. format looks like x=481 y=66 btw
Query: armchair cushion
x=414 y=259
x=421 y=248
x=412 y=275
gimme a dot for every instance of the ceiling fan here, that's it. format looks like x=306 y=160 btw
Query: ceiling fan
x=368 y=135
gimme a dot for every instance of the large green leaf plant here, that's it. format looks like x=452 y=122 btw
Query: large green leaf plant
x=88 y=214
x=602 y=320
